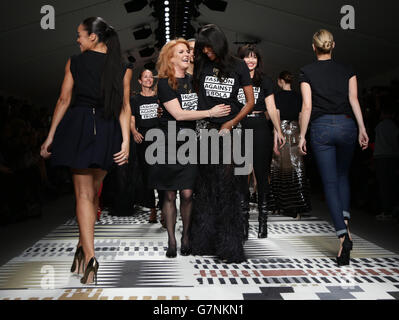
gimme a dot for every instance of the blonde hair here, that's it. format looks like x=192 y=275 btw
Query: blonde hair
x=323 y=41
x=164 y=66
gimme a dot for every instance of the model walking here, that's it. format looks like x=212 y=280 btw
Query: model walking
x=330 y=103
x=94 y=132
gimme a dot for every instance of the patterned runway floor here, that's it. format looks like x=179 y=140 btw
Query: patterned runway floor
x=296 y=262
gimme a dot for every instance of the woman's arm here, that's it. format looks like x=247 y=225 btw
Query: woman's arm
x=305 y=114
x=174 y=108
x=124 y=119
x=61 y=107
x=250 y=102
x=137 y=136
x=275 y=117
x=354 y=102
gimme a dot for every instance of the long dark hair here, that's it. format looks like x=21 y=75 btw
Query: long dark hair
x=112 y=76
x=245 y=51
x=212 y=36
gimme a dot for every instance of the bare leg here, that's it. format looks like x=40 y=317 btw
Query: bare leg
x=87 y=183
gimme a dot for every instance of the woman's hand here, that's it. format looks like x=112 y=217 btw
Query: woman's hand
x=226 y=128
x=122 y=157
x=138 y=137
x=44 y=149
x=220 y=110
x=159 y=112
x=363 y=139
x=302 y=146
x=275 y=145
x=281 y=139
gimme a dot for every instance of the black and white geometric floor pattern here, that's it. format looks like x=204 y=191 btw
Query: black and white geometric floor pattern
x=295 y=262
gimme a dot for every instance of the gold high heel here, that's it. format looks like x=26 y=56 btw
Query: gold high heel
x=77 y=264
x=92 y=266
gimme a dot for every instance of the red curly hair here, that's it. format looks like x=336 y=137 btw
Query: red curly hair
x=164 y=66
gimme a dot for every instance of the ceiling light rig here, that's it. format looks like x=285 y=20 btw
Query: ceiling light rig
x=174 y=16
x=174 y=19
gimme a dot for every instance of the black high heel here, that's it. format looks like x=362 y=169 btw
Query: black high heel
x=344 y=258
x=171 y=252
x=78 y=259
x=185 y=250
x=92 y=266
x=350 y=241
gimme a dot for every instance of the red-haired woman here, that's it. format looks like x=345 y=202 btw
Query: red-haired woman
x=179 y=104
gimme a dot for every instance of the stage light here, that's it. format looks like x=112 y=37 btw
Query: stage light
x=135 y=5
x=216 y=5
x=146 y=52
x=166 y=3
x=142 y=33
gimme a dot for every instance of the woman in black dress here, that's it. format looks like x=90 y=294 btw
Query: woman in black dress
x=145 y=117
x=218 y=223
x=289 y=187
x=94 y=132
x=179 y=104
x=330 y=103
x=262 y=134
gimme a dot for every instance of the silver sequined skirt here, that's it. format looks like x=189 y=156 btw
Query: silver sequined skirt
x=289 y=187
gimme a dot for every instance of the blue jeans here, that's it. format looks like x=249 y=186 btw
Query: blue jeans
x=333 y=141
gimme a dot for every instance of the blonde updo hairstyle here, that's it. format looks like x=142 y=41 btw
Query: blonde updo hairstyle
x=323 y=41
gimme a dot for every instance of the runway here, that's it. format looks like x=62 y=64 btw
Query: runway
x=296 y=262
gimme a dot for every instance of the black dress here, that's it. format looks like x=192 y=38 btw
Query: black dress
x=172 y=175
x=84 y=138
x=145 y=111
x=217 y=226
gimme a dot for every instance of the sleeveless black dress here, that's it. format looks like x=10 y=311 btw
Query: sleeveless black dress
x=84 y=138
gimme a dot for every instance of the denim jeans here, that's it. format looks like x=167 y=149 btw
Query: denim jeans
x=333 y=141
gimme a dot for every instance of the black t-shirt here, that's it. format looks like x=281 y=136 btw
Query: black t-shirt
x=289 y=103
x=329 y=81
x=145 y=111
x=187 y=98
x=213 y=92
x=260 y=94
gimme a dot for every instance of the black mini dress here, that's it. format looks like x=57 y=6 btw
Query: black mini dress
x=84 y=137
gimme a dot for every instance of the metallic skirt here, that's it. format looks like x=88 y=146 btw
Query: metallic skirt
x=289 y=187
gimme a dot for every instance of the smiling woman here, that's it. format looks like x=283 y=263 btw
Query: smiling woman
x=179 y=104
x=94 y=132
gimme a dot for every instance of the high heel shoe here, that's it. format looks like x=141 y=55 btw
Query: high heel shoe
x=92 y=267
x=77 y=264
x=171 y=252
x=185 y=250
x=344 y=258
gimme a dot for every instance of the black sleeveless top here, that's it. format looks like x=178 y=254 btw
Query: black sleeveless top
x=86 y=69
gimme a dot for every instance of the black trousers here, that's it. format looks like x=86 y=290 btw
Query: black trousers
x=386 y=172
x=262 y=152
